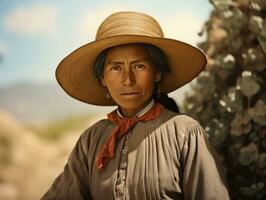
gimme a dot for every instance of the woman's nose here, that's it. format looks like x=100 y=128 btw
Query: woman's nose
x=128 y=78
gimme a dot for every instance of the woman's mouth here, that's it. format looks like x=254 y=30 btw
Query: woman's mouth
x=129 y=93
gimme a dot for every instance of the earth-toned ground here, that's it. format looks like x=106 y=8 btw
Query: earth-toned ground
x=29 y=162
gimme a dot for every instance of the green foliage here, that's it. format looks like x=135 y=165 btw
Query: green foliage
x=229 y=97
x=56 y=129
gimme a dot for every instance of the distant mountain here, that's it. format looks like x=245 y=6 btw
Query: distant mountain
x=42 y=102
x=31 y=102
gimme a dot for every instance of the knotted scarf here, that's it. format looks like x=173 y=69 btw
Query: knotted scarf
x=107 y=151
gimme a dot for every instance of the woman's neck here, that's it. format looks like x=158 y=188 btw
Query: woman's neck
x=135 y=112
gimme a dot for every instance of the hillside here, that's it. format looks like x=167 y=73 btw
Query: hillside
x=41 y=102
x=28 y=163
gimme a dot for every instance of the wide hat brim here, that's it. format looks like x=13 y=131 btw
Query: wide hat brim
x=75 y=72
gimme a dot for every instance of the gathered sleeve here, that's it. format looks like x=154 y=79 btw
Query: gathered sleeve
x=203 y=174
x=72 y=183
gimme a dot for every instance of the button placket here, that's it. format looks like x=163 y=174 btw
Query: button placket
x=124 y=151
x=120 y=179
x=120 y=187
x=123 y=165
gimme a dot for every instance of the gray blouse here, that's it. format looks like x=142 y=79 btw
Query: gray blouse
x=165 y=158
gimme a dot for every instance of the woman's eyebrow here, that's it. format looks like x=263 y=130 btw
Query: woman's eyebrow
x=114 y=62
x=120 y=62
x=135 y=61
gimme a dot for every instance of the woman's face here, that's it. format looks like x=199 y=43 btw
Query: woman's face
x=130 y=75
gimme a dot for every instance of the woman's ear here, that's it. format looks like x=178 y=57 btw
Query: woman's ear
x=158 y=76
x=103 y=82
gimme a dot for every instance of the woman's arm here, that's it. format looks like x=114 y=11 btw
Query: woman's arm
x=203 y=175
x=72 y=183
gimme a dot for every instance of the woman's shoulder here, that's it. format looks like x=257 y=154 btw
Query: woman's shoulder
x=184 y=125
x=185 y=121
x=180 y=119
x=97 y=129
x=99 y=124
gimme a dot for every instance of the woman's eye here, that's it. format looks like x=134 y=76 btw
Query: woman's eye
x=115 y=68
x=139 y=66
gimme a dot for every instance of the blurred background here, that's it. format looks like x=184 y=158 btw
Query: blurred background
x=39 y=123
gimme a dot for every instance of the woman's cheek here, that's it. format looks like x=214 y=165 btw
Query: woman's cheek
x=111 y=77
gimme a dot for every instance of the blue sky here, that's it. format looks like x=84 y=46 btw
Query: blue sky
x=36 y=34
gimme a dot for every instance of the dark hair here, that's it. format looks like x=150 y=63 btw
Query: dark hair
x=161 y=63
x=168 y=102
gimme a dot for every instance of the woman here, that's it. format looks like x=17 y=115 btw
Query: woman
x=142 y=150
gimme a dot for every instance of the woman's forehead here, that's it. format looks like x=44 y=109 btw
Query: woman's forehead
x=127 y=51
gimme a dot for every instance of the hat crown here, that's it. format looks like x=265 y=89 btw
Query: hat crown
x=129 y=23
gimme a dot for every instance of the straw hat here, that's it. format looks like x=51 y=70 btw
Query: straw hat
x=74 y=73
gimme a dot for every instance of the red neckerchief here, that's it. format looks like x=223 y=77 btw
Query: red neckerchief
x=107 y=151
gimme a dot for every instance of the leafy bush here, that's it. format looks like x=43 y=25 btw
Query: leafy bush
x=229 y=97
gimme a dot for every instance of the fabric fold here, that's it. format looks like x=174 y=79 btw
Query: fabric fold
x=107 y=151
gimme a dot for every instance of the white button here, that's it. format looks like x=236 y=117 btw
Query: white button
x=124 y=151
x=123 y=165
x=120 y=179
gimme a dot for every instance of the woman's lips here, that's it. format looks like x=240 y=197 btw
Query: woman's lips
x=129 y=93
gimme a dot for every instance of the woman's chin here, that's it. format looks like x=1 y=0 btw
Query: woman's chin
x=132 y=106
